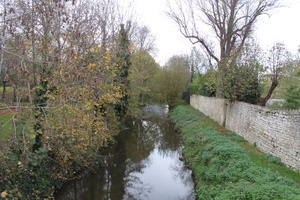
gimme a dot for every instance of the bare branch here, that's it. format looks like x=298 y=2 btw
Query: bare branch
x=231 y=21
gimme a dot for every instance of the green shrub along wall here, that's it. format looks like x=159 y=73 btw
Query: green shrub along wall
x=222 y=168
x=274 y=131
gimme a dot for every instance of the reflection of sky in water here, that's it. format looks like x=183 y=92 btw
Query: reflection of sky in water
x=163 y=178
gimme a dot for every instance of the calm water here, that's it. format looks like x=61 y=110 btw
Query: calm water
x=143 y=165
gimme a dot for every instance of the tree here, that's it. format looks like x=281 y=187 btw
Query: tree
x=142 y=74
x=204 y=84
x=173 y=80
x=277 y=64
x=292 y=92
x=65 y=54
x=243 y=80
x=232 y=23
x=197 y=62
x=123 y=64
x=143 y=39
x=143 y=69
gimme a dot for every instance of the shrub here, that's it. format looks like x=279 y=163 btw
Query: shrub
x=273 y=159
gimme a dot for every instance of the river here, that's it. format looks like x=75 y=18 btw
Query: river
x=144 y=164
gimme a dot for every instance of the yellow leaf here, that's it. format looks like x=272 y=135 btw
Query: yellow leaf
x=39 y=131
x=4 y=194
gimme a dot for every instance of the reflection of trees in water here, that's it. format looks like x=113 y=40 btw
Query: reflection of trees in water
x=125 y=183
x=139 y=141
x=74 y=190
x=107 y=183
x=135 y=188
x=119 y=173
x=138 y=138
x=150 y=133
x=114 y=174
x=167 y=141
x=180 y=171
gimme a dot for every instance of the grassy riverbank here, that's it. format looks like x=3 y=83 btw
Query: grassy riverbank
x=225 y=166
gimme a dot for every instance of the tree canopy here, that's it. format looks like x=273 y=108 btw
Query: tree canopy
x=75 y=70
x=230 y=23
x=173 y=80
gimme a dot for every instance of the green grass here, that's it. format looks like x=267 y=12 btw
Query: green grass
x=6 y=127
x=8 y=91
x=270 y=162
x=225 y=166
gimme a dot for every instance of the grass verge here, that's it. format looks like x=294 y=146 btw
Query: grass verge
x=225 y=166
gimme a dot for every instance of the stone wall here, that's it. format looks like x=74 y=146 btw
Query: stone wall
x=276 y=132
x=212 y=107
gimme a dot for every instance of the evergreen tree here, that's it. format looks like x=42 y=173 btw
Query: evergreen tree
x=123 y=63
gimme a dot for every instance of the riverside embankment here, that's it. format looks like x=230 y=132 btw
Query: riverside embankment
x=226 y=166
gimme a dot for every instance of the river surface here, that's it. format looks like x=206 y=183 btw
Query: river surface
x=144 y=164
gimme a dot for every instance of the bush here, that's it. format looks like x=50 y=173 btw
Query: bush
x=273 y=159
x=235 y=137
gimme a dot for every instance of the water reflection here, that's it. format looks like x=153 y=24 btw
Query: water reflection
x=144 y=164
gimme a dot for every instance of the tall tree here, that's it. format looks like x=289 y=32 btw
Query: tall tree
x=142 y=74
x=65 y=53
x=3 y=29
x=144 y=40
x=231 y=22
x=197 y=62
x=123 y=64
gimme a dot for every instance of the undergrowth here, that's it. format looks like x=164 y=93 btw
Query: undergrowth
x=222 y=168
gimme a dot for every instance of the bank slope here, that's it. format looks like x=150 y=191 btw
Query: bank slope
x=222 y=168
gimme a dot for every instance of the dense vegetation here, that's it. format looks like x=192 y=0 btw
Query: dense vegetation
x=222 y=168
x=251 y=77
x=71 y=70
x=235 y=66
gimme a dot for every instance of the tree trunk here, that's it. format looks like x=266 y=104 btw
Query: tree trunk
x=4 y=89
x=40 y=101
x=15 y=93
x=220 y=80
x=263 y=101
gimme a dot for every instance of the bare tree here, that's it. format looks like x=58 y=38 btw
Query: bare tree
x=144 y=39
x=231 y=22
x=197 y=62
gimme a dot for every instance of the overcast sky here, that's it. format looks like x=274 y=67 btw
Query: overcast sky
x=282 y=26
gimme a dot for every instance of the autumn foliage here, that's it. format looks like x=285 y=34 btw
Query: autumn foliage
x=64 y=64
